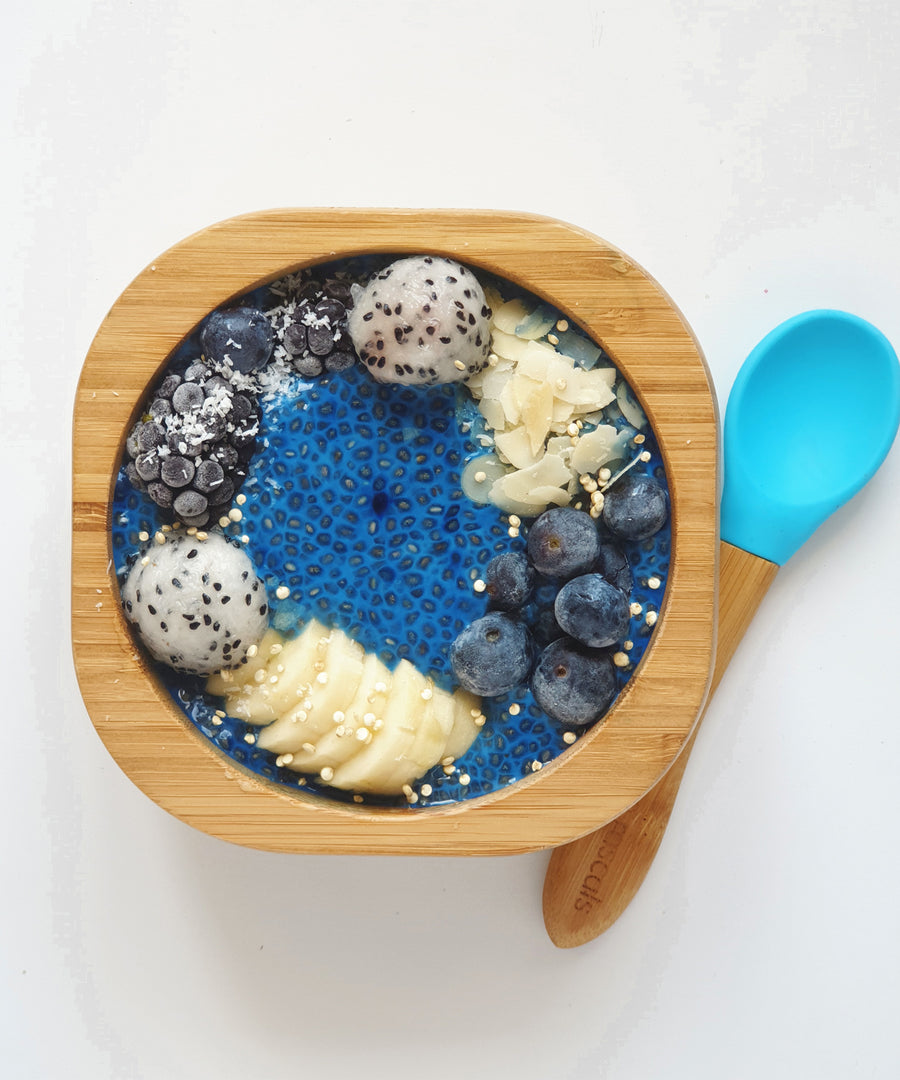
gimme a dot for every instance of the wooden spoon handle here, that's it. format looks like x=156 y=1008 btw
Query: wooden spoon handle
x=592 y=880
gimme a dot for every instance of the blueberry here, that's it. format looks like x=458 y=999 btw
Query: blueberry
x=244 y=436
x=573 y=684
x=209 y=478
x=241 y=407
x=242 y=336
x=295 y=338
x=613 y=565
x=339 y=360
x=190 y=504
x=131 y=443
x=215 y=383
x=214 y=426
x=160 y=408
x=331 y=309
x=308 y=365
x=592 y=611
x=563 y=543
x=161 y=494
x=226 y=455
x=492 y=655
x=177 y=471
x=320 y=340
x=198 y=372
x=196 y=520
x=509 y=581
x=134 y=477
x=223 y=493
x=168 y=386
x=147 y=466
x=339 y=290
x=635 y=507
x=149 y=436
x=188 y=397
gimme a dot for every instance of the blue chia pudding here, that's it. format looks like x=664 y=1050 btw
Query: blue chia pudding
x=391 y=530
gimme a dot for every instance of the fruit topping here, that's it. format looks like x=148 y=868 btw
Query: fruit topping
x=492 y=655
x=197 y=605
x=334 y=710
x=377 y=510
x=311 y=326
x=193 y=457
x=422 y=321
x=571 y=585
x=509 y=581
x=563 y=543
x=573 y=684
x=545 y=402
x=592 y=611
x=635 y=507
x=240 y=338
x=613 y=565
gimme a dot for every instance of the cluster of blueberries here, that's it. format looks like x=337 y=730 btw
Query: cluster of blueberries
x=191 y=451
x=314 y=333
x=563 y=647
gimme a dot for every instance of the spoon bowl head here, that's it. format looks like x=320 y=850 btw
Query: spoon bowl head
x=810 y=418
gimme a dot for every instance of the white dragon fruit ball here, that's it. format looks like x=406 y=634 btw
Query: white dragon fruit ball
x=197 y=605
x=421 y=321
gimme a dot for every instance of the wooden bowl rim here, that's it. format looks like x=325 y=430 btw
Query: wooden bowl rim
x=591 y=281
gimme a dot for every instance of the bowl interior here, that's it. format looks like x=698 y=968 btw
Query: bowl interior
x=238 y=795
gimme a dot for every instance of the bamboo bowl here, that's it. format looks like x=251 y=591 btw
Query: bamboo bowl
x=610 y=767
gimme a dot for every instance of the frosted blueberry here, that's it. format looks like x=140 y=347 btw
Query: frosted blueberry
x=563 y=543
x=242 y=338
x=509 y=580
x=492 y=655
x=635 y=508
x=573 y=684
x=592 y=611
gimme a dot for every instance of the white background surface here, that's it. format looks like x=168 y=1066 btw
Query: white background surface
x=748 y=155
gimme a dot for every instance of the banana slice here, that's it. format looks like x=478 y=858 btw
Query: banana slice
x=426 y=750
x=373 y=767
x=349 y=732
x=340 y=713
x=327 y=686
x=257 y=698
x=465 y=707
x=295 y=667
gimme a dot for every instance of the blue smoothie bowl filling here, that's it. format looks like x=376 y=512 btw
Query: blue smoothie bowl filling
x=391 y=530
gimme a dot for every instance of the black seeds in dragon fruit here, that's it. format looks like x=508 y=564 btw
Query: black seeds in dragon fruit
x=168 y=592
x=428 y=318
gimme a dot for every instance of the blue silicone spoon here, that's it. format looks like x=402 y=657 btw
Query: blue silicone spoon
x=788 y=467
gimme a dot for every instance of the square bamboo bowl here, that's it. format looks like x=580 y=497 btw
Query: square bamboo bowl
x=609 y=768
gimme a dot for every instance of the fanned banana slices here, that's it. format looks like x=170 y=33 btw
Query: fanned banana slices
x=332 y=709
